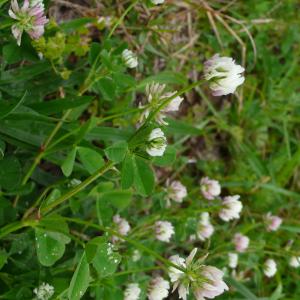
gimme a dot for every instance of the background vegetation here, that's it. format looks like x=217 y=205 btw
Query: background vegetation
x=62 y=117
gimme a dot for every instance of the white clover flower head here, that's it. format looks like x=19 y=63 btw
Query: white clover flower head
x=224 y=75
x=163 y=231
x=157 y=143
x=106 y=21
x=210 y=188
x=130 y=59
x=204 y=231
x=241 y=242
x=136 y=256
x=231 y=208
x=214 y=285
x=154 y=91
x=29 y=18
x=158 y=288
x=156 y=96
x=270 y=267
x=156 y=2
x=204 y=228
x=204 y=218
x=294 y=261
x=132 y=292
x=176 y=191
x=272 y=222
x=122 y=225
x=44 y=292
x=205 y=281
x=233 y=259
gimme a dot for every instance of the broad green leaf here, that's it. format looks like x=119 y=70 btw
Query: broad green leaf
x=80 y=280
x=29 y=133
x=117 y=152
x=94 y=53
x=108 y=134
x=68 y=164
x=26 y=73
x=7 y=211
x=10 y=173
x=104 y=212
x=127 y=174
x=91 y=159
x=50 y=246
x=85 y=129
x=74 y=24
x=12 y=53
x=103 y=208
x=184 y=128
x=120 y=199
x=107 y=87
x=59 y=105
x=101 y=254
x=143 y=176
x=123 y=80
x=167 y=159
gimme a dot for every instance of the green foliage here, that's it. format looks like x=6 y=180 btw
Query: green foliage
x=80 y=280
x=73 y=161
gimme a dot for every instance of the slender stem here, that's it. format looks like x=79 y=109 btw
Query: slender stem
x=99 y=121
x=42 y=151
x=137 y=271
x=122 y=17
x=16 y=226
x=78 y=188
x=128 y=240
x=36 y=203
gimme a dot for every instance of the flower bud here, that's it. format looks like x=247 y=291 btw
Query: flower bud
x=224 y=75
x=157 y=143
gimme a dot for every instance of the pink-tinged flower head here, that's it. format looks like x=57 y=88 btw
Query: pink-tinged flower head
x=233 y=259
x=122 y=226
x=158 y=288
x=132 y=292
x=241 y=242
x=231 y=208
x=294 y=261
x=210 y=188
x=214 y=285
x=204 y=228
x=272 y=222
x=205 y=281
x=29 y=18
x=223 y=74
x=164 y=231
x=176 y=191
